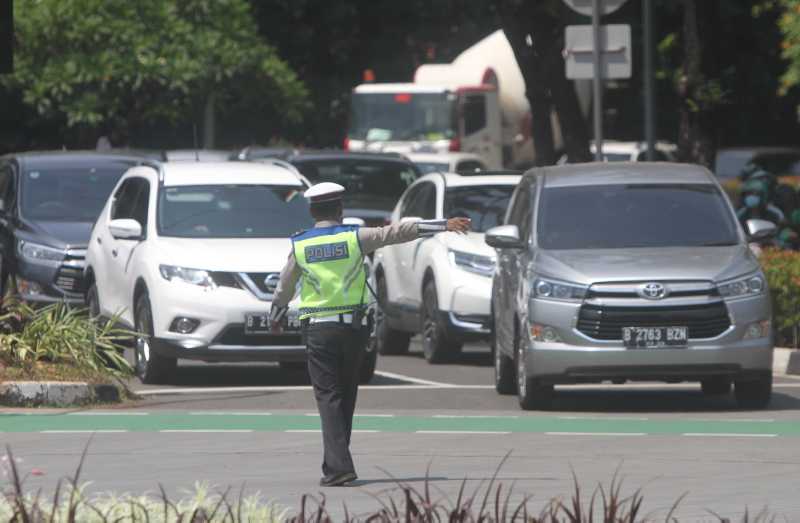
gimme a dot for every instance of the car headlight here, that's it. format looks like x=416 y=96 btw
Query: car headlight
x=191 y=276
x=748 y=286
x=483 y=265
x=41 y=254
x=558 y=290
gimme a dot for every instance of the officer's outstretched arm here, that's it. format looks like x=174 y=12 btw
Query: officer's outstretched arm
x=373 y=238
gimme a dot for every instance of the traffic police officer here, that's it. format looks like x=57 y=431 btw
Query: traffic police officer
x=329 y=261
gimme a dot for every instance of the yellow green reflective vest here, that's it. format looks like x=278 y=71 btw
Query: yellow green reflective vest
x=332 y=263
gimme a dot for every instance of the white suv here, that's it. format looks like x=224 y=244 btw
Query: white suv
x=189 y=254
x=441 y=286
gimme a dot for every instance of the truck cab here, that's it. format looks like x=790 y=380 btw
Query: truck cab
x=410 y=118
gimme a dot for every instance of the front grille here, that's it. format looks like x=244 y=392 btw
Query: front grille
x=70 y=279
x=261 y=284
x=234 y=335
x=675 y=289
x=606 y=323
x=225 y=279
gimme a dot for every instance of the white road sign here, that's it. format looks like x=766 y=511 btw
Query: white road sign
x=584 y=7
x=616 y=55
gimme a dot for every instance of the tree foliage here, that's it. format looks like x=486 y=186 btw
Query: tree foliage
x=117 y=64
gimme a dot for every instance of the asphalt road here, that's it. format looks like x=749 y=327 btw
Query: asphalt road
x=256 y=426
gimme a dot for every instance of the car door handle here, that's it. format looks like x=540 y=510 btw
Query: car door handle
x=114 y=253
x=100 y=240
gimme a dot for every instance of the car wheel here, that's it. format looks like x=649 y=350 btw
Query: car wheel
x=436 y=346
x=388 y=340
x=93 y=302
x=532 y=395
x=150 y=366
x=754 y=393
x=368 y=365
x=504 y=378
x=717 y=386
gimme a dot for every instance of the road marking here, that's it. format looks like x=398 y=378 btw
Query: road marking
x=107 y=431
x=595 y=433
x=225 y=431
x=432 y=385
x=312 y=414
x=728 y=435
x=604 y=418
x=373 y=415
x=301 y=431
x=488 y=432
x=467 y=416
x=213 y=413
x=105 y=413
x=733 y=420
x=410 y=379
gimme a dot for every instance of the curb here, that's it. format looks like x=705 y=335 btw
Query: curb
x=56 y=393
x=786 y=361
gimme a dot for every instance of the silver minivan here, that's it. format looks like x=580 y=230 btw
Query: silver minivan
x=628 y=271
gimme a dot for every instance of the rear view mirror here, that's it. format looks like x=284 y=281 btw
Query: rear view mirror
x=125 y=229
x=504 y=237
x=760 y=230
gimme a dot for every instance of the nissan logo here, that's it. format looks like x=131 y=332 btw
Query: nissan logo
x=653 y=291
x=271 y=282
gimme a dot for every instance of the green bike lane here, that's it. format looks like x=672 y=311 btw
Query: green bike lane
x=94 y=421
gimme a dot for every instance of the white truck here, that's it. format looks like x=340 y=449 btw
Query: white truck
x=475 y=104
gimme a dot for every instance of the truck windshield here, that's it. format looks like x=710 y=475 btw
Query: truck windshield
x=402 y=116
x=635 y=215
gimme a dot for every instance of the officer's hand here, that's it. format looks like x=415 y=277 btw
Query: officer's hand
x=275 y=327
x=459 y=225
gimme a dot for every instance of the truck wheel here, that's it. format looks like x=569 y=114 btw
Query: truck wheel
x=436 y=345
x=368 y=365
x=150 y=366
x=717 y=386
x=388 y=340
x=532 y=395
x=754 y=393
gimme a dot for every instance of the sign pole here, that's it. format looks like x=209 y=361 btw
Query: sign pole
x=649 y=88
x=597 y=83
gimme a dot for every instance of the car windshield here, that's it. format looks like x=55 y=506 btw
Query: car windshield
x=431 y=167
x=617 y=157
x=485 y=205
x=73 y=194
x=232 y=211
x=374 y=184
x=636 y=215
x=402 y=116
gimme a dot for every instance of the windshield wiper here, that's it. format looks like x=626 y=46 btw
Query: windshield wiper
x=718 y=244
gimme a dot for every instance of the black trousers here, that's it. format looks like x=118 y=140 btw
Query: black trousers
x=335 y=353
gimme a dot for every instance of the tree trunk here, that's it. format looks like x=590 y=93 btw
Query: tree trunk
x=531 y=67
x=542 y=67
x=696 y=143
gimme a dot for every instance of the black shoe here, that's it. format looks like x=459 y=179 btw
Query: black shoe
x=338 y=480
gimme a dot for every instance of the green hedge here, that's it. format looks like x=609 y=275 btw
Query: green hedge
x=782 y=269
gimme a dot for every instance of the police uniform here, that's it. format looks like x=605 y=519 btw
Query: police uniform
x=328 y=260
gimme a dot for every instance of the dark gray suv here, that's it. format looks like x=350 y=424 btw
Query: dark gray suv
x=48 y=205
x=628 y=271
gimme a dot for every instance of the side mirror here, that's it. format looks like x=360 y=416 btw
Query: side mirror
x=504 y=237
x=758 y=230
x=125 y=229
x=352 y=220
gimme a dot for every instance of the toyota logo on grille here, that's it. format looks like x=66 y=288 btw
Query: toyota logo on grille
x=653 y=291
x=271 y=282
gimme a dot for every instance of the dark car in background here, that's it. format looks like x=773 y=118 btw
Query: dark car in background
x=374 y=181
x=48 y=205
